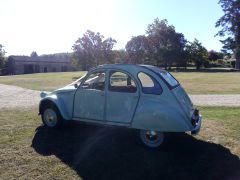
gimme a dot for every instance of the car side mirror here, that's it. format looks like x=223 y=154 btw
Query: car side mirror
x=75 y=85
x=43 y=94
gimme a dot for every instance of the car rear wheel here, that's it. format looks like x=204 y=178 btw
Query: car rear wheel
x=51 y=117
x=152 y=139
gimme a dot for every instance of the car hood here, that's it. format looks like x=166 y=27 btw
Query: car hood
x=66 y=89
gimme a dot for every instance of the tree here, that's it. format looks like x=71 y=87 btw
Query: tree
x=92 y=50
x=230 y=23
x=34 y=54
x=137 y=49
x=2 y=58
x=213 y=55
x=107 y=46
x=167 y=46
x=196 y=53
x=120 y=56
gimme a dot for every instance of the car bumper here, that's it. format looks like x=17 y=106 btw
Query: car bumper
x=197 y=128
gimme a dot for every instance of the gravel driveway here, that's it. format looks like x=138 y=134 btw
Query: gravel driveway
x=216 y=100
x=13 y=96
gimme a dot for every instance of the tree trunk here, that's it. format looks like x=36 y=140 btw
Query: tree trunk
x=237 y=64
x=198 y=65
x=237 y=51
x=237 y=56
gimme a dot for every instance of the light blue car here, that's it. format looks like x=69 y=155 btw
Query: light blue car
x=142 y=97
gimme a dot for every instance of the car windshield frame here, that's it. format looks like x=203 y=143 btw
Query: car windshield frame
x=78 y=81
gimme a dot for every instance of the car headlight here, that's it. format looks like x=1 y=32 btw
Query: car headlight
x=195 y=117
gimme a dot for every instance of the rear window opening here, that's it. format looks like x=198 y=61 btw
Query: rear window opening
x=165 y=75
x=169 y=78
x=149 y=84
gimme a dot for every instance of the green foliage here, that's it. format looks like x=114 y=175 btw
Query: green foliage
x=34 y=54
x=58 y=56
x=138 y=49
x=161 y=46
x=92 y=49
x=120 y=56
x=196 y=53
x=166 y=44
x=2 y=59
x=213 y=55
x=230 y=23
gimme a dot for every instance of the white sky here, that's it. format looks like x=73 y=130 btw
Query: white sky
x=51 y=26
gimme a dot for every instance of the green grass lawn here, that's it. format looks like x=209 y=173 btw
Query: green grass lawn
x=31 y=151
x=42 y=81
x=193 y=82
x=210 y=83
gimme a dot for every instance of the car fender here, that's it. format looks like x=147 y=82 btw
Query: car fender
x=164 y=116
x=59 y=104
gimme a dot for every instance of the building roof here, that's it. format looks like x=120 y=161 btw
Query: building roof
x=46 y=58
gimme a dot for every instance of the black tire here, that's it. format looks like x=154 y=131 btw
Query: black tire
x=152 y=140
x=51 y=116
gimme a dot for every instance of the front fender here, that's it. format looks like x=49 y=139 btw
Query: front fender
x=59 y=102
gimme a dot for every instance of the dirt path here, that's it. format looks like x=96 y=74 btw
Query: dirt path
x=216 y=100
x=13 y=96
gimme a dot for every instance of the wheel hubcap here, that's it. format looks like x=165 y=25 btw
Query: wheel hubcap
x=50 y=117
x=151 y=135
x=152 y=138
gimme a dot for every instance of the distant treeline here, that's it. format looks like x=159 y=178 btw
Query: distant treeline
x=161 y=46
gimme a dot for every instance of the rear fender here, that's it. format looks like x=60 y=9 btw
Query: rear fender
x=164 y=116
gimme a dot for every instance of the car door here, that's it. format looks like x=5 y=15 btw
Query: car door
x=122 y=97
x=89 y=100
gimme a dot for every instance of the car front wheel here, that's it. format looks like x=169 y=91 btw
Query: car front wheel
x=51 y=117
x=152 y=139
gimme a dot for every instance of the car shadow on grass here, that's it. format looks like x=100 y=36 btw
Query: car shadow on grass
x=117 y=153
